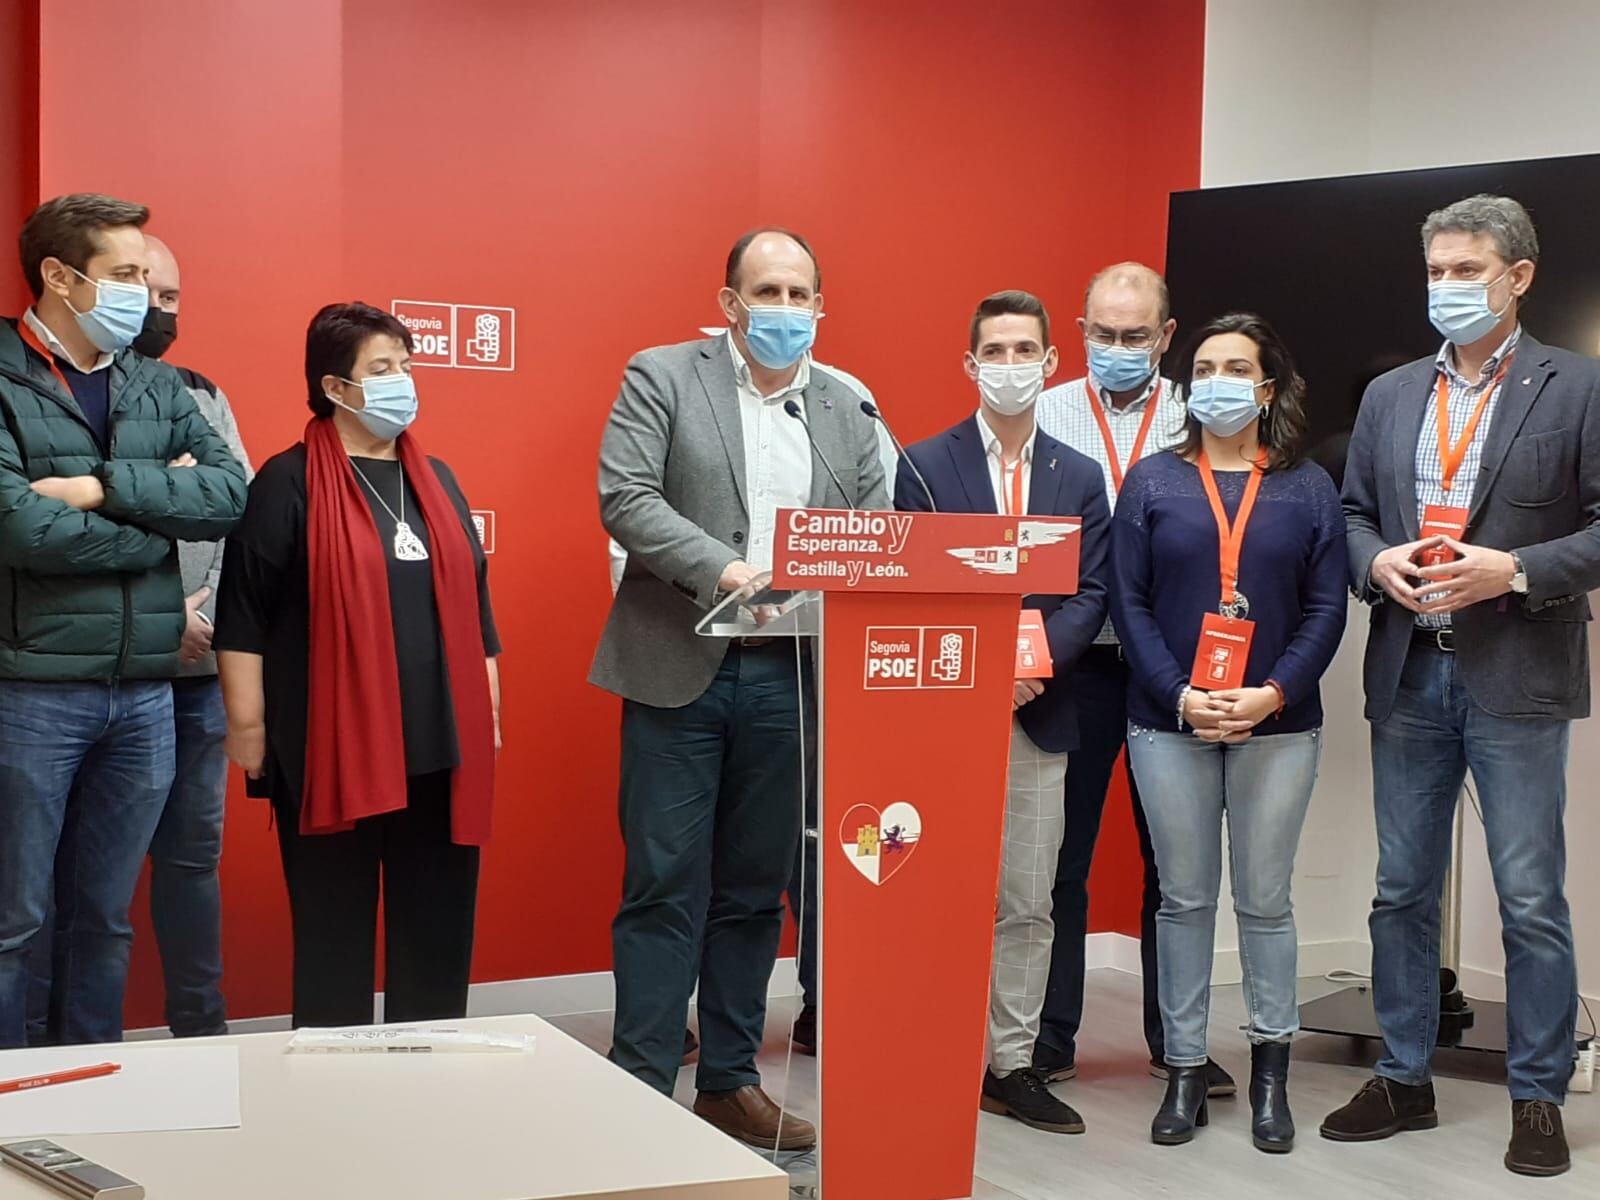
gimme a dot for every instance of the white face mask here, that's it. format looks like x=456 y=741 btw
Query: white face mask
x=1010 y=388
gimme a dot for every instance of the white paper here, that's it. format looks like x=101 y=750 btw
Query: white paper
x=162 y=1086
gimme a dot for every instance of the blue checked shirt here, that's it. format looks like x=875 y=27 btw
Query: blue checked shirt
x=1463 y=399
x=1064 y=414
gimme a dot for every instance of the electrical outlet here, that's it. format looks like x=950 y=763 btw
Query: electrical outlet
x=1583 y=1070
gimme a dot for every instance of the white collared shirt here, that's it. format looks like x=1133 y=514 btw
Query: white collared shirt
x=1003 y=474
x=53 y=344
x=777 y=456
x=1065 y=413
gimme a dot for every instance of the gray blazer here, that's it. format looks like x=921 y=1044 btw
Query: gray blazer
x=673 y=495
x=1538 y=493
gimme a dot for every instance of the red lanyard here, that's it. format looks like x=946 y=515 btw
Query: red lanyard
x=1096 y=407
x=32 y=338
x=1230 y=539
x=1451 y=457
x=1012 y=494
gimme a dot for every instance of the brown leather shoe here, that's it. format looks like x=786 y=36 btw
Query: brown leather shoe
x=750 y=1115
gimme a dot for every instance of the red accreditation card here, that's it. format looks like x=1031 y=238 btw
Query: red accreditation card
x=1224 y=649
x=1437 y=520
x=1033 y=650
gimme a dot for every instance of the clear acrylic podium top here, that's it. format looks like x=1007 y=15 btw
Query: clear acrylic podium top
x=760 y=610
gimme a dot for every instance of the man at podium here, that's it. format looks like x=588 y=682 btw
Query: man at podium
x=706 y=441
x=999 y=461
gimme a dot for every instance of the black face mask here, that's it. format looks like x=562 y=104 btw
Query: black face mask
x=159 y=332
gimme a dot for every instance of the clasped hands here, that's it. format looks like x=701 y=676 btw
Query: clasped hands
x=1228 y=716
x=1477 y=574
x=84 y=492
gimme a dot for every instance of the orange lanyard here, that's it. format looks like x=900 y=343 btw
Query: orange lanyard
x=1230 y=539
x=1012 y=493
x=1096 y=407
x=32 y=338
x=1451 y=457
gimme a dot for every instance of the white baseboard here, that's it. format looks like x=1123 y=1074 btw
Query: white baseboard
x=594 y=991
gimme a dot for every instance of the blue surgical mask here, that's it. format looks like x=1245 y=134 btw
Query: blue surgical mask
x=391 y=404
x=779 y=335
x=117 y=316
x=1119 y=368
x=1460 y=310
x=1224 y=404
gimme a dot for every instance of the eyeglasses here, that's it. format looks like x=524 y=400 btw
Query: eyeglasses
x=1133 y=339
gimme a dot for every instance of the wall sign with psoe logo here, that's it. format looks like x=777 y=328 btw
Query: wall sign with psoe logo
x=920 y=656
x=472 y=337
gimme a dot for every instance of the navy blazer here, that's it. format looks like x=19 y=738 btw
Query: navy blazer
x=1538 y=494
x=1065 y=484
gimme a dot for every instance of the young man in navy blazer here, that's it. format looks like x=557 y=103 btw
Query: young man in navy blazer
x=999 y=461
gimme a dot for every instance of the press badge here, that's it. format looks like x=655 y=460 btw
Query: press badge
x=1223 y=652
x=1440 y=520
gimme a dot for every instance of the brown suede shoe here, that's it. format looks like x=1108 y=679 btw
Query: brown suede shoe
x=750 y=1115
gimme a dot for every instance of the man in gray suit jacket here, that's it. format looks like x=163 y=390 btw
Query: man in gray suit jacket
x=698 y=455
x=1472 y=493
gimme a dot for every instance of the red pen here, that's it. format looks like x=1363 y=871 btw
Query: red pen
x=72 y=1076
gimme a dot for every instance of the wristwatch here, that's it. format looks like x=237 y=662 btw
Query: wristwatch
x=1519 y=581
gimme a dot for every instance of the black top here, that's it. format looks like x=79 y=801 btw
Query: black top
x=264 y=607
x=92 y=391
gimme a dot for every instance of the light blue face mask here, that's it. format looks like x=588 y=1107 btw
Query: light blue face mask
x=1224 y=404
x=1119 y=368
x=1460 y=310
x=778 y=335
x=117 y=316
x=391 y=404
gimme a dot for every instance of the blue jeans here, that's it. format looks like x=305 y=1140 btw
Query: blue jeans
x=1420 y=756
x=185 y=893
x=84 y=773
x=1263 y=788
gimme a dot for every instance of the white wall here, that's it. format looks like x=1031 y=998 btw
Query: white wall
x=1296 y=89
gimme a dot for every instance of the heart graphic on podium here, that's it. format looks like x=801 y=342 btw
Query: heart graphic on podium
x=878 y=843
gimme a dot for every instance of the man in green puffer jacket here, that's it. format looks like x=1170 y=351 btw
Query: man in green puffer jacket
x=105 y=463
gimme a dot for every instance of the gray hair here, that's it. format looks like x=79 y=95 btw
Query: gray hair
x=1501 y=217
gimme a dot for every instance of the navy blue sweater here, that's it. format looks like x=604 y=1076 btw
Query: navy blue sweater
x=1165 y=578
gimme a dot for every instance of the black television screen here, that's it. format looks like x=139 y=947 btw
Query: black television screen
x=1336 y=266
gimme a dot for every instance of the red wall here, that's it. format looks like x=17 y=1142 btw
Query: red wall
x=588 y=162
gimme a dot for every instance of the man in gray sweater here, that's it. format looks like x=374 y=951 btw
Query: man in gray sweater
x=185 y=894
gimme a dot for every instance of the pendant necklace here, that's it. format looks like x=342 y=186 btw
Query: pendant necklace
x=408 y=546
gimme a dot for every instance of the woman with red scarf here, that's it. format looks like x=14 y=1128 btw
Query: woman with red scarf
x=357 y=652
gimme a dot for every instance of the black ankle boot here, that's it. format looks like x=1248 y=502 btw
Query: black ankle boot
x=1270 y=1123
x=1184 y=1108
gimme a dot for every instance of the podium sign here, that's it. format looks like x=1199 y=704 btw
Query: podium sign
x=918 y=654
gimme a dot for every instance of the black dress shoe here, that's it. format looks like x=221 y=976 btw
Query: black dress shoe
x=1057 y=1066
x=1219 y=1084
x=1026 y=1096
x=804 y=1034
x=1538 y=1141
x=1184 y=1109
x=1271 y=1125
x=1381 y=1109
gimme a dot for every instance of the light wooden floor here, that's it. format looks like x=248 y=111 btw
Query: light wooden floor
x=1115 y=1160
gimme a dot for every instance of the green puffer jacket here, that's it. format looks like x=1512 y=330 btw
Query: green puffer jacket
x=96 y=595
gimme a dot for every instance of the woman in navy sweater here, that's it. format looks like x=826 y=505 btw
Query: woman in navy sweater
x=1228 y=592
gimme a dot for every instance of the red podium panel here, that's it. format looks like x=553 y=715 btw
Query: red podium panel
x=918 y=654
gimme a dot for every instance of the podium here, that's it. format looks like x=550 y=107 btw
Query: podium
x=916 y=616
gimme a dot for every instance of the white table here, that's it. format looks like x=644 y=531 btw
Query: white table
x=560 y=1122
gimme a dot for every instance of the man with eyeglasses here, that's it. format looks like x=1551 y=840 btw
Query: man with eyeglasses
x=1119 y=412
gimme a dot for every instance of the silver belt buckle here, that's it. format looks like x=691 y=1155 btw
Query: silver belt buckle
x=1445 y=639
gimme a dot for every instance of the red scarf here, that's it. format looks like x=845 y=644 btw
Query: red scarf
x=355 y=747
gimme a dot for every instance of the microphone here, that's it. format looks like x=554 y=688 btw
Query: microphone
x=793 y=409
x=871 y=409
